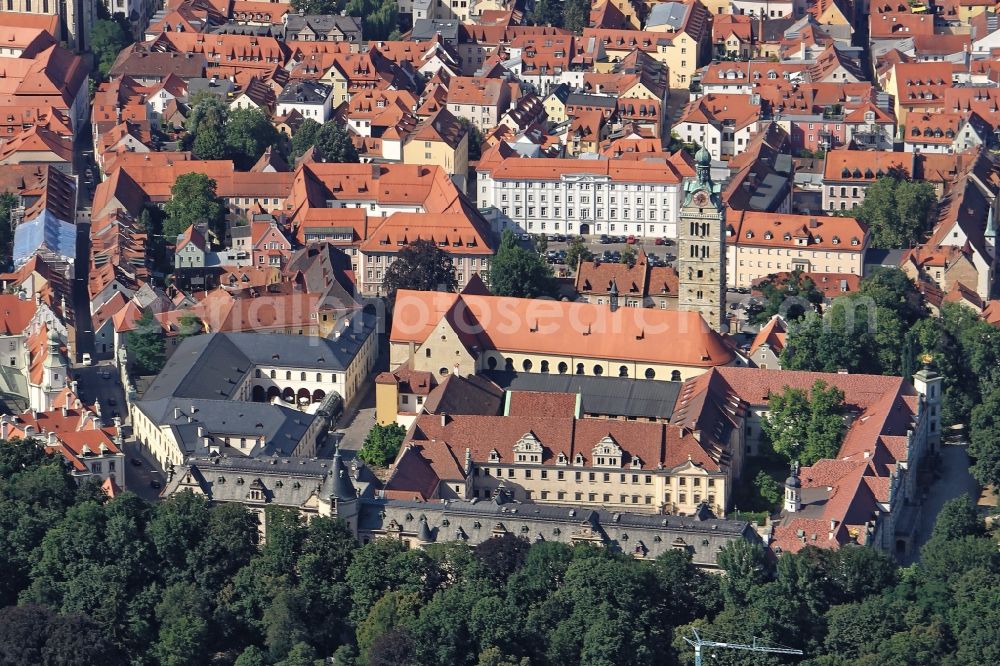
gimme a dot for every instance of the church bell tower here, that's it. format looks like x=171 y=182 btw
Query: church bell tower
x=701 y=247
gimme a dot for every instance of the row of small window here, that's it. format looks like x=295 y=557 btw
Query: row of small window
x=780 y=252
x=621 y=187
x=288 y=374
x=584 y=214
x=695 y=499
x=561 y=495
x=97 y=468
x=458 y=261
x=245 y=201
x=561 y=475
x=586 y=199
x=527 y=365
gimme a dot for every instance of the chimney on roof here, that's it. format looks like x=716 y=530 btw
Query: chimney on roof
x=444 y=418
x=65 y=411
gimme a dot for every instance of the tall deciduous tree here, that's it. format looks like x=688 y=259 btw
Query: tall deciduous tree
x=805 y=427
x=333 y=144
x=305 y=137
x=984 y=445
x=107 y=39
x=518 y=272
x=421 y=266
x=576 y=252
x=897 y=212
x=193 y=200
x=248 y=134
x=791 y=297
x=145 y=345
x=316 y=7
x=382 y=444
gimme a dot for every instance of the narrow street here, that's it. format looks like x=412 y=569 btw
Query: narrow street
x=83 y=164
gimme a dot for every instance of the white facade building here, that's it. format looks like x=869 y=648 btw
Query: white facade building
x=631 y=197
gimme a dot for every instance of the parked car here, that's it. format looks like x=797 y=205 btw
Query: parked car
x=605 y=239
x=560 y=238
x=668 y=241
x=526 y=237
x=135 y=462
x=630 y=240
x=659 y=241
x=87 y=359
x=156 y=485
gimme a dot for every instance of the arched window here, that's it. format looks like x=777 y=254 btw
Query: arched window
x=598 y=370
x=579 y=368
x=303 y=377
x=623 y=371
x=443 y=371
x=256 y=373
x=427 y=352
x=675 y=376
x=545 y=366
x=274 y=374
x=319 y=376
x=526 y=365
x=491 y=363
x=509 y=364
x=650 y=373
x=288 y=374
x=563 y=368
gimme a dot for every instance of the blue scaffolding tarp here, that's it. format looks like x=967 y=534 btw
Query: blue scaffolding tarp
x=45 y=231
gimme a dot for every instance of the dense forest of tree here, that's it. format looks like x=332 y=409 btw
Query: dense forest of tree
x=90 y=580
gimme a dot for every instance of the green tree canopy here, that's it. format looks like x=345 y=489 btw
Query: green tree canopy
x=382 y=444
x=193 y=201
x=304 y=138
x=806 y=427
x=107 y=40
x=898 y=212
x=577 y=251
x=145 y=345
x=984 y=444
x=333 y=144
x=791 y=297
x=318 y=7
x=518 y=272
x=421 y=266
x=206 y=126
x=248 y=134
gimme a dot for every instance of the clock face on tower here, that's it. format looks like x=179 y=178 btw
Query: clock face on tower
x=700 y=198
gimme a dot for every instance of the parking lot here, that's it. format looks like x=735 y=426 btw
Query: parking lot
x=659 y=252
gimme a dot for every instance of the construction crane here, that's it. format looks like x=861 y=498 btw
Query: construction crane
x=698 y=643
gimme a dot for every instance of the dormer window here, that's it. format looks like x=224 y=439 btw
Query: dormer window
x=836 y=240
x=854 y=241
x=494 y=456
x=578 y=459
x=607 y=453
x=768 y=235
x=561 y=459
x=749 y=234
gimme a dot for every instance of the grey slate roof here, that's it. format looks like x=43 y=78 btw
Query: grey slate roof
x=600 y=395
x=585 y=99
x=282 y=480
x=476 y=521
x=211 y=366
x=667 y=13
x=304 y=92
x=424 y=30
